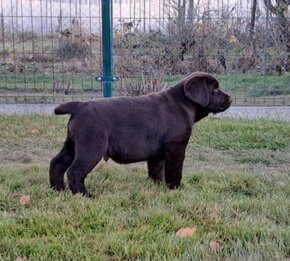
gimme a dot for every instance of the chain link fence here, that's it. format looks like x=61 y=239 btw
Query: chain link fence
x=50 y=50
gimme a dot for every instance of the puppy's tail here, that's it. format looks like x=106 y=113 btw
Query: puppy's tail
x=67 y=108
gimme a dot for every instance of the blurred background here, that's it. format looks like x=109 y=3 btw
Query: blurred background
x=51 y=50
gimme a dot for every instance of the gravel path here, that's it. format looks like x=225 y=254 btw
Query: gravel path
x=278 y=113
x=281 y=113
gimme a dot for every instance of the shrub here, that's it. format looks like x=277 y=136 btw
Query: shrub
x=69 y=50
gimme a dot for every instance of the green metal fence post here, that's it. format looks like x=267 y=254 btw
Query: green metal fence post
x=107 y=47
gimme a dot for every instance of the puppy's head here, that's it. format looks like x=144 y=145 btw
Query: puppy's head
x=203 y=88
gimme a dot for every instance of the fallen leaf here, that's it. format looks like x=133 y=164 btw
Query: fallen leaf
x=214 y=246
x=186 y=231
x=24 y=200
x=10 y=56
x=233 y=39
x=34 y=131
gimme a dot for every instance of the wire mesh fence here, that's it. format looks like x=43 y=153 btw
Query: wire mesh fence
x=50 y=50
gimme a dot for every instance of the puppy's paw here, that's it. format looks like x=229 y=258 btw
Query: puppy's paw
x=173 y=185
x=156 y=180
x=58 y=187
x=85 y=193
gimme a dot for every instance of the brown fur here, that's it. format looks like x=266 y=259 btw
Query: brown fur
x=153 y=128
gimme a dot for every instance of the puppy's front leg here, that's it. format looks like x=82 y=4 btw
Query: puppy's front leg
x=174 y=157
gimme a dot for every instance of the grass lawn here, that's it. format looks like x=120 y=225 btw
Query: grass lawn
x=247 y=89
x=243 y=84
x=235 y=191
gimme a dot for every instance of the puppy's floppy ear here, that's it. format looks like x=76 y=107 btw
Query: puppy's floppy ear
x=195 y=89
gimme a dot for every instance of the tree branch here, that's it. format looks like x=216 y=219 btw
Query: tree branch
x=271 y=7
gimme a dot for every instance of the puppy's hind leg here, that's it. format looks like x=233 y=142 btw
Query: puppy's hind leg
x=86 y=158
x=59 y=164
x=156 y=169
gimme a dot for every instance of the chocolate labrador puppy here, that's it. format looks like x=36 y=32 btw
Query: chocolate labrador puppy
x=153 y=128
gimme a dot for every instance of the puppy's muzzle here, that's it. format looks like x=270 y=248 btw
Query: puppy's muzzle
x=226 y=103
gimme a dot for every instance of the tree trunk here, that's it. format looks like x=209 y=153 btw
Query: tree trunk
x=2 y=28
x=190 y=12
x=252 y=24
x=181 y=15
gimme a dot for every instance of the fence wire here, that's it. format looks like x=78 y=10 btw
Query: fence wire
x=50 y=50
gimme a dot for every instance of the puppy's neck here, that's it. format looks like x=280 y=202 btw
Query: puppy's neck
x=200 y=113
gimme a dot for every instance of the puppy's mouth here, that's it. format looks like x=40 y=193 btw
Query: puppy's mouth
x=224 y=106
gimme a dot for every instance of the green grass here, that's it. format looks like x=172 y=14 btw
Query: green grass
x=40 y=82
x=250 y=85
x=253 y=89
x=235 y=189
x=247 y=89
x=243 y=85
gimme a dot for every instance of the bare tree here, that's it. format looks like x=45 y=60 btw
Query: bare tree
x=182 y=12
x=252 y=23
x=181 y=5
x=280 y=9
x=190 y=11
x=2 y=26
